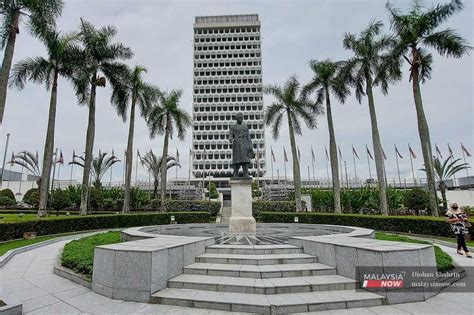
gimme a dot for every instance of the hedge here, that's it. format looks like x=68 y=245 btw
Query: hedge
x=212 y=207
x=269 y=206
x=435 y=226
x=14 y=230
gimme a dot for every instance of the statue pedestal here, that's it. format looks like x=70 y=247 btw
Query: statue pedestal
x=241 y=220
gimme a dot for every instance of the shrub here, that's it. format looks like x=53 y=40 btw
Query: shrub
x=267 y=206
x=78 y=255
x=96 y=198
x=213 y=193
x=57 y=225
x=417 y=199
x=31 y=197
x=212 y=207
x=60 y=199
x=435 y=226
x=7 y=193
x=74 y=196
x=7 y=201
x=139 y=199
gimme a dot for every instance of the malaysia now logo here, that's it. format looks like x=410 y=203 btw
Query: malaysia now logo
x=390 y=280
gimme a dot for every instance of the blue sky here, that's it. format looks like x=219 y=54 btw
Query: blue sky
x=293 y=32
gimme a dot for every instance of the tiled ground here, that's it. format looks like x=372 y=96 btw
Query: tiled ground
x=29 y=278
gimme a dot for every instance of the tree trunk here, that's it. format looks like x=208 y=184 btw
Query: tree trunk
x=48 y=148
x=129 y=160
x=155 y=188
x=425 y=139
x=442 y=187
x=7 y=62
x=377 y=149
x=336 y=187
x=296 y=165
x=163 y=167
x=89 y=148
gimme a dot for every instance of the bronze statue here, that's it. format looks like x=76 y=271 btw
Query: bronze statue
x=242 y=148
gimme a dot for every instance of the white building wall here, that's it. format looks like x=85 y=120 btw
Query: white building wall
x=227 y=80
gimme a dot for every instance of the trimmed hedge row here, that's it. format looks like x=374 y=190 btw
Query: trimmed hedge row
x=267 y=206
x=14 y=230
x=212 y=207
x=409 y=224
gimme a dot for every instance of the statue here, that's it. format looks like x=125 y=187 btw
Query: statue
x=242 y=148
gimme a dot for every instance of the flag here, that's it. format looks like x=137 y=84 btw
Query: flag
x=61 y=157
x=327 y=156
x=74 y=155
x=340 y=154
x=368 y=152
x=113 y=154
x=284 y=155
x=13 y=158
x=273 y=154
x=37 y=156
x=191 y=153
x=299 y=154
x=355 y=153
x=413 y=155
x=312 y=154
x=138 y=154
x=398 y=152
x=465 y=150
x=177 y=155
x=438 y=151
x=205 y=154
x=383 y=154
x=450 y=151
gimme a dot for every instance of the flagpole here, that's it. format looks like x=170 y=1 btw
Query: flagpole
x=258 y=171
x=190 y=163
x=309 y=179
x=368 y=161
x=314 y=177
x=54 y=168
x=125 y=167
x=451 y=155
x=111 y=166
x=70 y=178
x=354 y=161
x=285 y=174
x=271 y=160
x=136 y=169
x=327 y=166
x=467 y=168
x=347 y=179
x=398 y=166
x=9 y=176
x=21 y=179
x=340 y=165
x=204 y=173
x=411 y=163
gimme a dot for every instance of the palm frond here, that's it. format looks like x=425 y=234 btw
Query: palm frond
x=448 y=43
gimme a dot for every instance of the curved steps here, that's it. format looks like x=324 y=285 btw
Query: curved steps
x=264 y=279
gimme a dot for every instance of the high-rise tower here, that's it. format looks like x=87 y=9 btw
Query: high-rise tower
x=227 y=80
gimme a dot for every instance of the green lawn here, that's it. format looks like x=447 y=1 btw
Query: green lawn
x=78 y=255
x=444 y=262
x=6 y=246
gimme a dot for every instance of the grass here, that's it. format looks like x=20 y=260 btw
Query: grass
x=444 y=262
x=78 y=255
x=6 y=246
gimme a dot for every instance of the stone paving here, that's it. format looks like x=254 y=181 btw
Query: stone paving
x=29 y=278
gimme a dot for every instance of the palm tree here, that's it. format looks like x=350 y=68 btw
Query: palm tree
x=29 y=161
x=371 y=66
x=100 y=165
x=100 y=66
x=163 y=119
x=444 y=170
x=134 y=91
x=416 y=31
x=40 y=14
x=64 y=56
x=153 y=164
x=328 y=80
x=292 y=102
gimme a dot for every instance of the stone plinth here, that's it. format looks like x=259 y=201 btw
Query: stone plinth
x=241 y=220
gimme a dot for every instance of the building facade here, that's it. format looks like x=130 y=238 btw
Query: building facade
x=227 y=80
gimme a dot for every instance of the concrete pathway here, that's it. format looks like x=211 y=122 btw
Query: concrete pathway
x=29 y=279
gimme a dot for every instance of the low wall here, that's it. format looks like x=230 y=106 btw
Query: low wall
x=347 y=253
x=133 y=271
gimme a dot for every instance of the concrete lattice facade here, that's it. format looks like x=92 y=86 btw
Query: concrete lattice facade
x=227 y=80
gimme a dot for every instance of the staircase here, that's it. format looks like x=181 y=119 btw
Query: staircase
x=264 y=279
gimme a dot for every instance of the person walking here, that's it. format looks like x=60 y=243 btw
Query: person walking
x=459 y=222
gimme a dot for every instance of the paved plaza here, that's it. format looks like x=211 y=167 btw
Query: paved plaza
x=29 y=279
